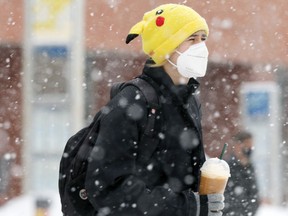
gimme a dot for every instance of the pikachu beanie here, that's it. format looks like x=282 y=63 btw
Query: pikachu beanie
x=165 y=28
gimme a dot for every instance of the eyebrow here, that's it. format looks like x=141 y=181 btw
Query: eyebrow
x=196 y=34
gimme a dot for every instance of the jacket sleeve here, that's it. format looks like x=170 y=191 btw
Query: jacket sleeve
x=111 y=181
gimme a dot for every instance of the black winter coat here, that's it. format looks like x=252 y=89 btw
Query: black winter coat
x=117 y=184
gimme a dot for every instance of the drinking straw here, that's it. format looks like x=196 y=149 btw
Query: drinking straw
x=223 y=150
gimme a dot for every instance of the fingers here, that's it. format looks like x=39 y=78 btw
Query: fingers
x=215 y=213
x=216 y=197
x=216 y=206
x=214 y=202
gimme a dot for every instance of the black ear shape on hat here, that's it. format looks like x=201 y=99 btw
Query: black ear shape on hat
x=130 y=37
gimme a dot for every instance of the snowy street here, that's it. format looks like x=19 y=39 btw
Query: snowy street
x=25 y=206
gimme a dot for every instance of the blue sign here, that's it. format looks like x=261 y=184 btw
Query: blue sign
x=257 y=104
x=52 y=51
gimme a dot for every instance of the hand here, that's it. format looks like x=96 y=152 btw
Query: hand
x=205 y=205
x=213 y=202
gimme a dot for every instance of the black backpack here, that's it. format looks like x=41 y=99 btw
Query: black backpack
x=74 y=161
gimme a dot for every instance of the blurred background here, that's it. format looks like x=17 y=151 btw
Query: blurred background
x=59 y=58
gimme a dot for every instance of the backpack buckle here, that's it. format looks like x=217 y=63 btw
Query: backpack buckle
x=83 y=194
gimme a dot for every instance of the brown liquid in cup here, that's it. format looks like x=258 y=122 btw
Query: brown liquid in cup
x=212 y=185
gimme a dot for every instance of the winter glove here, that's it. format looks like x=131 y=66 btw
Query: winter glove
x=210 y=205
x=206 y=205
x=213 y=203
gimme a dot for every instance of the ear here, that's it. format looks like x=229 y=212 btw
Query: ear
x=130 y=37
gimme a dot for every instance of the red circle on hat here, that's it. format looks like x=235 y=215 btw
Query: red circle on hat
x=160 y=21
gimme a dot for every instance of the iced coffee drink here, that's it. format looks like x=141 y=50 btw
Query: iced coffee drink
x=214 y=176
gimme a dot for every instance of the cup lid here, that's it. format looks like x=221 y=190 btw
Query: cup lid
x=216 y=167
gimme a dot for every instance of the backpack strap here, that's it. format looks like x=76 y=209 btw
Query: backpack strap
x=148 y=91
x=150 y=138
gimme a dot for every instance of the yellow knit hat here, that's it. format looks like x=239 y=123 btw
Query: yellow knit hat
x=165 y=28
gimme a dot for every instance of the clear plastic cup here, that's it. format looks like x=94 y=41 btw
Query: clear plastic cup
x=214 y=176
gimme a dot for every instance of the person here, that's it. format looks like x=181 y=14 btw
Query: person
x=241 y=193
x=173 y=37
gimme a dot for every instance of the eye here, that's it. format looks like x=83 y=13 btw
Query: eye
x=198 y=37
x=191 y=39
x=159 y=12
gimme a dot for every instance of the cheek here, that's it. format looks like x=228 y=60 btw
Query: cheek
x=184 y=46
x=174 y=57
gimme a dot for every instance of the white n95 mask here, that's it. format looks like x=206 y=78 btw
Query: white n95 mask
x=193 y=62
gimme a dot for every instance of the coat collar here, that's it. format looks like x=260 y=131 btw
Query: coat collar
x=179 y=92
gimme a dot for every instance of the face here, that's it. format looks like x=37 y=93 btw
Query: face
x=247 y=144
x=243 y=148
x=195 y=38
